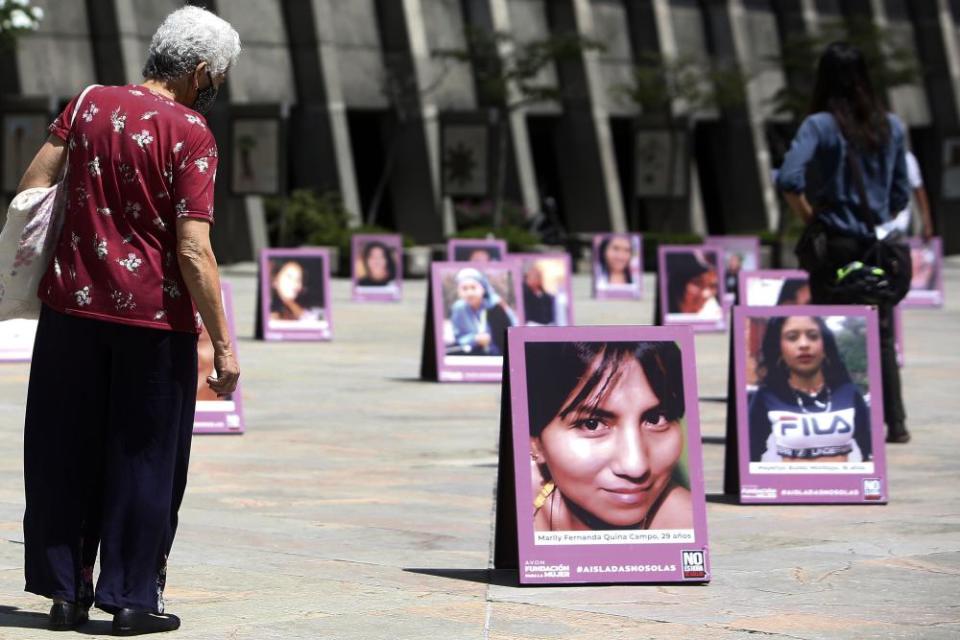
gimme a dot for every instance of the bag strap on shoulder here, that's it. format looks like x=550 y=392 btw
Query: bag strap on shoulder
x=865 y=213
x=76 y=109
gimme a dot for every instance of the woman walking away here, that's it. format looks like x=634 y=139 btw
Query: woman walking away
x=114 y=377
x=858 y=182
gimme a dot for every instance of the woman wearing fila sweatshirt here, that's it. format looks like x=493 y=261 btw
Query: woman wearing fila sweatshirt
x=807 y=409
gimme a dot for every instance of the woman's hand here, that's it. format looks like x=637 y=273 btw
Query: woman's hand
x=228 y=373
x=482 y=340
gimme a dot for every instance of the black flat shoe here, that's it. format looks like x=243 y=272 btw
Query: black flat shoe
x=898 y=434
x=129 y=622
x=65 y=616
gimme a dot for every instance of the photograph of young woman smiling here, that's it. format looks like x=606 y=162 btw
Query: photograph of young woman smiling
x=607 y=436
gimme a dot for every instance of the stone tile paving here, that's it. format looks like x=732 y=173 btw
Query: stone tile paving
x=359 y=506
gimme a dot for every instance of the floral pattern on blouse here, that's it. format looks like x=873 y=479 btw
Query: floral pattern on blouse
x=131 y=263
x=91 y=111
x=123 y=301
x=100 y=247
x=118 y=120
x=142 y=139
x=133 y=170
x=83 y=296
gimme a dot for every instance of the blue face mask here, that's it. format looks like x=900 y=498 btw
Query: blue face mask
x=205 y=97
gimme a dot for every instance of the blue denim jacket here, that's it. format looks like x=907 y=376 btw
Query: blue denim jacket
x=817 y=165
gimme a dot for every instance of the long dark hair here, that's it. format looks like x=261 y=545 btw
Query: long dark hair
x=602 y=250
x=681 y=269
x=554 y=369
x=844 y=89
x=790 y=289
x=312 y=294
x=391 y=265
x=773 y=372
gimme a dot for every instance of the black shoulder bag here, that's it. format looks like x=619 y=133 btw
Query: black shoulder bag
x=881 y=276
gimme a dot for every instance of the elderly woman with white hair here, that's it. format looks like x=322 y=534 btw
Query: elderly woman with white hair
x=112 y=391
x=479 y=316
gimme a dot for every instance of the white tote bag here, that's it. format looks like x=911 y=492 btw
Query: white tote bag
x=27 y=241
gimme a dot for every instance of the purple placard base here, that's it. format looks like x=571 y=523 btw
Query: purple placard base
x=369 y=294
x=294 y=336
x=16 y=340
x=222 y=416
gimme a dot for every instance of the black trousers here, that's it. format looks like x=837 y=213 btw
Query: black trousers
x=106 y=446
x=843 y=250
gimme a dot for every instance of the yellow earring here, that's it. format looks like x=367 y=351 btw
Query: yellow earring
x=545 y=492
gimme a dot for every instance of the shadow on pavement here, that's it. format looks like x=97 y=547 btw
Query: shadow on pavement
x=723 y=498
x=510 y=578
x=14 y=617
x=721 y=399
x=503 y=578
x=97 y=627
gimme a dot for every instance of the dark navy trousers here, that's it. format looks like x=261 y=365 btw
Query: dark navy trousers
x=106 y=447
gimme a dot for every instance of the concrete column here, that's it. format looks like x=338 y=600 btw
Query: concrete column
x=936 y=36
x=652 y=33
x=9 y=74
x=415 y=183
x=588 y=166
x=494 y=16
x=796 y=18
x=937 y=48
x=108 y=54
x=322 y=158
x=131 y=44
x=330 y=73
x=747 y=202
x=755 y=116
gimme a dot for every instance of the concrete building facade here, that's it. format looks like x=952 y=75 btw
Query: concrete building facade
x=352 y=86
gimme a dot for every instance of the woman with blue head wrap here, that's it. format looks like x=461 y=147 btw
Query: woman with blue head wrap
x=479 y=316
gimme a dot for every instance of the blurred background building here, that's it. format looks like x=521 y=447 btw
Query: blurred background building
x=662 y=116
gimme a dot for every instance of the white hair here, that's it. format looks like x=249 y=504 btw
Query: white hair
x=187 y=37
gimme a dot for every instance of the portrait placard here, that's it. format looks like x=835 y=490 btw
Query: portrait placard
x=691 y=289
x=772 y=287
x=478 y=250
x=215 y=414
x=295 y=294
x=600 y=451
x=256 y=160
x=23 y=135
x=547 y=280
x=617 y=266
x=470 y=306
x=16 y=340
x=808 y=405
x=740 y=253
x=377 y=267
x=926 y=284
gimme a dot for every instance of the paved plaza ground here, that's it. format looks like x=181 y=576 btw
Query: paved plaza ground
x=359 y=506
